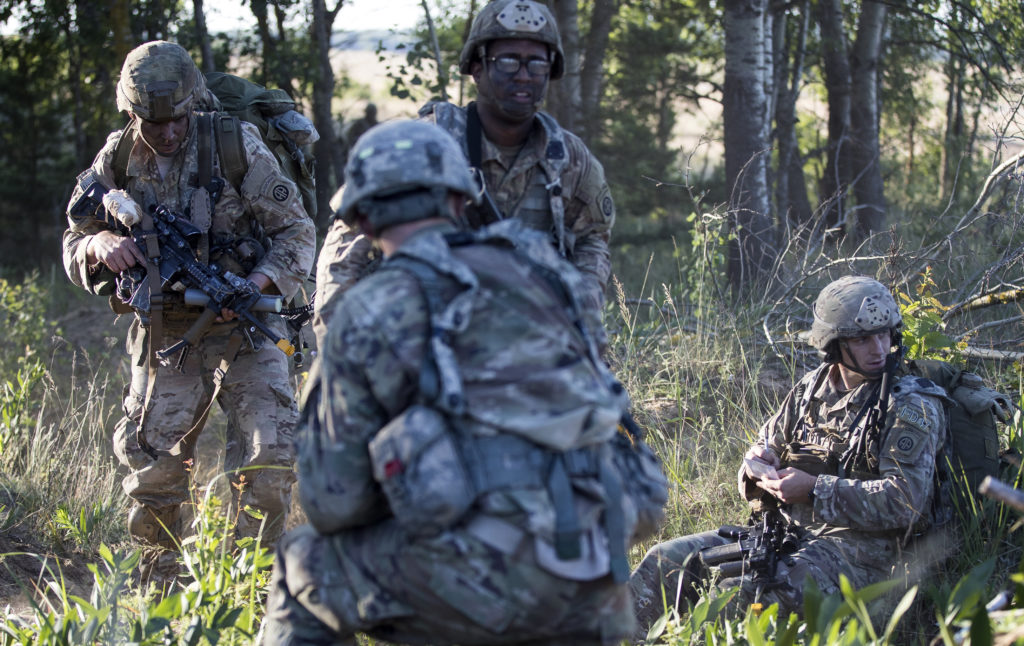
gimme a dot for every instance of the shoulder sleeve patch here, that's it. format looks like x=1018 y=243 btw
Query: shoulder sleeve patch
x=914 y=416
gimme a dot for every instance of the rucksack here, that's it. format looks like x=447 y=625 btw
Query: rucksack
x=287 y=134
x=432 y=467
x=974 y=438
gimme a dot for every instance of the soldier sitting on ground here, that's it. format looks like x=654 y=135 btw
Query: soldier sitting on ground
x=844 y=471
x=459 y=458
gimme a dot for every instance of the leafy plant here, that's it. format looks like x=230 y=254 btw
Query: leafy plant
x=924 y=332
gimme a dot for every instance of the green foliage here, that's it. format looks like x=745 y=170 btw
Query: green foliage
x=219 y=600
x=418 y=78
x=924 y=332
x=80 y=529
x=656 y=49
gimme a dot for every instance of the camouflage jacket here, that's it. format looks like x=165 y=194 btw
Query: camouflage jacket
x=892 y=499
x=517 y=182
x=525 y=369
x=268 y=201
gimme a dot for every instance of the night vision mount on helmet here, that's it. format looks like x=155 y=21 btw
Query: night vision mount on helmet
x=514 y=20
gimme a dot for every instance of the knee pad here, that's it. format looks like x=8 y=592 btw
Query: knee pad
x=155 y=525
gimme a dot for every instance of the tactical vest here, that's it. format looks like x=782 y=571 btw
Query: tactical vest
x=217 y=135
x=542 y=206
x=462 y=439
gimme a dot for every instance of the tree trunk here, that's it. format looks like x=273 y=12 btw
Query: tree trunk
x=203 y=37
x=327 y=150
x=589 y=126
x=864 y=152
x=746 y=118
x=791 y=200
x=837 y=84
x=564 y=95
x=465 y=37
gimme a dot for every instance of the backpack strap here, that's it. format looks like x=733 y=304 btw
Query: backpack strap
x=228 y=132
x=122 y=152
x=554 y=162
x=474 y=135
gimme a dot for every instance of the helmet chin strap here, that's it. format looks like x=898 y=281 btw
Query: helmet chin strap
x=893 y=356
x=855 y=367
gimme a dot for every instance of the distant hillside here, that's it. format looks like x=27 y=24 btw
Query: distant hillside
x=368 y=40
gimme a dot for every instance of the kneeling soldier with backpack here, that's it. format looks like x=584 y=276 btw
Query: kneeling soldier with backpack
x=460 y=458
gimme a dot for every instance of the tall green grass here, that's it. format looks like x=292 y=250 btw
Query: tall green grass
x=694 y=359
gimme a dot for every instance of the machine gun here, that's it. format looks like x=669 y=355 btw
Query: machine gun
x=205 y=285
x=756 y=549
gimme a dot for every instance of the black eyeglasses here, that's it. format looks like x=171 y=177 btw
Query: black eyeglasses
x=510 y=65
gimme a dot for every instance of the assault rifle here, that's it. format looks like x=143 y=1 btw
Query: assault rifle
x=755 y=550
x=205 y=285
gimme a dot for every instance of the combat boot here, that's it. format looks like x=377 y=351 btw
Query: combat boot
x=155 y=526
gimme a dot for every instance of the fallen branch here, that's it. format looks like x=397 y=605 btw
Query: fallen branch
x=999 y=355
x=1004 y=493
x=977 y=303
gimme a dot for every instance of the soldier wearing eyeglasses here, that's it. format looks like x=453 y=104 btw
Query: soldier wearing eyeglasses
x=532 y=169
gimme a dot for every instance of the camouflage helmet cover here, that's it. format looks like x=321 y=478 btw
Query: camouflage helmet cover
x=159 y=81
x=514 y=20
x=853 y=306
x=400 y=156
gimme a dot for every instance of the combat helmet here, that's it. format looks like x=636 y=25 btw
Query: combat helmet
x=159 y=81
x=401 y=171
x=514 y=20
x=853 y=306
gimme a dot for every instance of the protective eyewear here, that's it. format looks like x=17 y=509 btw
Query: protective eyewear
x=511 y=64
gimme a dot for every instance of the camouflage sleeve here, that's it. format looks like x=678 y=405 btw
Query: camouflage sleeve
x=274 y=201
x=345 y=257
x=902 y=494
x=367 y=374
x=82 y=225
x=589 y=215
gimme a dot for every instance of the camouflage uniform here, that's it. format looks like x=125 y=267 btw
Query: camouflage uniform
x=492 y=578
x=256 y=393
x=519 y=180
x=854 y=526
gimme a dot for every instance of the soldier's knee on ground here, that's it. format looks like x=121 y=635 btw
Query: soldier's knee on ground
x=294 y=612
x=157 y=526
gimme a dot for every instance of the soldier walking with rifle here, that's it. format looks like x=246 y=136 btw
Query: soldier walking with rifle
x=193 y=258
x=841 y=478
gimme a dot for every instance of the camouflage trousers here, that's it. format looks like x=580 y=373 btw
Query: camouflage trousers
x=257 y=397
x=663 y=579
x=448 y=589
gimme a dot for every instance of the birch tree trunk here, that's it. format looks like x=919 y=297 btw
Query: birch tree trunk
x=746 y=117
x=865 y=153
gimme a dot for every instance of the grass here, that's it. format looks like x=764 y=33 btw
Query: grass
x=695 y=361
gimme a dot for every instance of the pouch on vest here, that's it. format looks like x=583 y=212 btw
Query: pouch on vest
x=644 y=483
x=417 y=462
